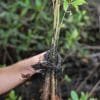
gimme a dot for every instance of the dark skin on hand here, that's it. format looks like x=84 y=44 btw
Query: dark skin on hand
x=14 y=75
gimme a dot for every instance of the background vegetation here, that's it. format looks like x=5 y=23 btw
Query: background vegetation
x=26 y=28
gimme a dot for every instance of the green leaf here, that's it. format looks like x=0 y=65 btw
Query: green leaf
x=67 y=78
x=75 y=34
x=74 y=95
x=83 y=96
x=65 y=5
x=78 y=2
x=38 y=4
x=27 y=2
x=12 y=95
x=76 y=8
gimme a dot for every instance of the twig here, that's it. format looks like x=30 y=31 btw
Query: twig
x=53 y=86
x=53 y=1
x=92 y=47
x=92 y=72
x=94 y=88
x=10 y=58
x=93 y=55
x=7 y=55
x=87 y=56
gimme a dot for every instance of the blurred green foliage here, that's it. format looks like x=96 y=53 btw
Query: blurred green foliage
x=24 y=23
x=82 y=96
x=73 y=3
x=12 y=96
x=27 y=25
x=74 y=31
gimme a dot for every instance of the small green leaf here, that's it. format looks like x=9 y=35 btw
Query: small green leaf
x=12 y=95
x=74 y=95
x=78 y=2
x=75 y=34
x=76 y=8
x=38 y=4
x=67 y=78
x=84 y=96
x=27 y=2
x=65 y=5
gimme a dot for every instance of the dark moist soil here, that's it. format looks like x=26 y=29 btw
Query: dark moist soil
x=78 y=69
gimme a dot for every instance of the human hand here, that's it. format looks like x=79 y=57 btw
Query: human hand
x=49 y=61
x=40 y=63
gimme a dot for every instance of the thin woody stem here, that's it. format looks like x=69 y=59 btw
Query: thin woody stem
x=53 y=86
x=50 y=84
x=46 y=88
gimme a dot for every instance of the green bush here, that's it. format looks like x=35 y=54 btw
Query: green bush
x=27 y=25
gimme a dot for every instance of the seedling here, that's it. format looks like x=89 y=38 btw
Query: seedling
x=51 y=89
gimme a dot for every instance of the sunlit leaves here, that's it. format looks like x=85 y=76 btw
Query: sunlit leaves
x=65 y=5
x=72 y=37
x=73 y=3
x=27 y=2
x=12 y=96
x=81 y=96
x=78 y=2
x=38 y=4
x=74 y=95
x=84 y=96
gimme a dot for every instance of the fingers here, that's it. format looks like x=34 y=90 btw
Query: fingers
x=44 y=65
x=48 y=62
